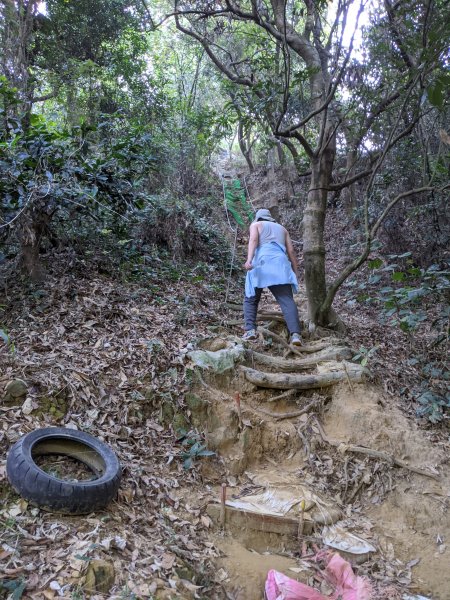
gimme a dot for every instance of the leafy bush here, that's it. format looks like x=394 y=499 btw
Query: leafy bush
x=187 y=228
x=415 y=300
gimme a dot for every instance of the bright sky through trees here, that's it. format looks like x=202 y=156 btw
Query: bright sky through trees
x=351 y=22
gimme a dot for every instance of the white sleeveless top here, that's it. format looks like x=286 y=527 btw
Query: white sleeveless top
x=272 y=232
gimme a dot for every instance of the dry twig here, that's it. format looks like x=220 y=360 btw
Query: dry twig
x=373 y=453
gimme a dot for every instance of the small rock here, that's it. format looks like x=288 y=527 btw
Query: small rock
x=16 y=388
x=15 y=392
x=217 y=344
x=99 y=577
x=28 y=406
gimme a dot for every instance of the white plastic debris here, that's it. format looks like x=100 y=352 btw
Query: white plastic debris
x=277 y=502
x=218 y=361
x=339 y=538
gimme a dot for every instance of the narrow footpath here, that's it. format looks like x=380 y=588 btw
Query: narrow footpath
x=314 y=457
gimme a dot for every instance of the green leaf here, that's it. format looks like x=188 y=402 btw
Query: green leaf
x=195 y=448
x=375 y=263
x=17 y=594
x=435 y=94
x=398 y=276
x=16 y=586
x=374 y=279
x=36 y=119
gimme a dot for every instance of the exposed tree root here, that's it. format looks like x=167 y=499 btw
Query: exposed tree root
x=286 y=415
x=299 y=350
x=280 y=364
x=270 y=334
x=283 y=396
x=302 y=382
x=265 y=316
x=232 y=306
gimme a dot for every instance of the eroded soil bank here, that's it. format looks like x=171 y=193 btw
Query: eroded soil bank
x=395 y=498
x=109 y=361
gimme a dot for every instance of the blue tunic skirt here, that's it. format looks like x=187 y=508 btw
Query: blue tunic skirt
x=271 y=266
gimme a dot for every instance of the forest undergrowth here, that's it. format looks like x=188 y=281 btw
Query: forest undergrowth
x=102 y=354
x=396 y=310
x=100 y=347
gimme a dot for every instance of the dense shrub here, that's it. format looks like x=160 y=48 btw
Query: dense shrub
x=187 y=228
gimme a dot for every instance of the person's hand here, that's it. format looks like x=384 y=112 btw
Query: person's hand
x=248 y=265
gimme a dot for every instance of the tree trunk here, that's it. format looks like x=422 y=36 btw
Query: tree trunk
x=313 y=235
x=245 y=146
x=32 y=230
x=349 y=193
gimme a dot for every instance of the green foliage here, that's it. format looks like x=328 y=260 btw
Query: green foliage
x=84 y=30
x=364 y=355
x=14 y=588
x=79 y=164
x=434 y=394
x=408 y=292
x=406 y=305
x=194 y=448
x=413 y=299
x=7 y=340
x=185 y=227
x=237 y=203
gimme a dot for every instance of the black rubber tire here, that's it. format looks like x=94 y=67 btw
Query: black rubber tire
x=51 y=493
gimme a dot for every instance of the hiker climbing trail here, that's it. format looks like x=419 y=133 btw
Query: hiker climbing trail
x=300 y=469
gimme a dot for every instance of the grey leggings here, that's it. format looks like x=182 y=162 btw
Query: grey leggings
x=284 y=297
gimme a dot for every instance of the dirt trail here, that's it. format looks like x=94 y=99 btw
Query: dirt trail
x=293 y=463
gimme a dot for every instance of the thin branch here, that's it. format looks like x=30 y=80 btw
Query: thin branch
x=397 y=199
x=152 y=23
x=24 y=207
x=219 y=64
x=379 y=454
x=307 y=148
x=407 y=58
x=335 y=187
x=349 y=269
x=48 y=96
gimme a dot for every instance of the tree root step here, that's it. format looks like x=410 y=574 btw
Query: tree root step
x=284 y=365
x=303 y=382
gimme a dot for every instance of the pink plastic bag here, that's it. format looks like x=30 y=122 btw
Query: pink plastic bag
x=280 y=587
x=338 y=573
x=348 y=585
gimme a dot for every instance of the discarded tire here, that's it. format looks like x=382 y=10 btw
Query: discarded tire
x=64 y=496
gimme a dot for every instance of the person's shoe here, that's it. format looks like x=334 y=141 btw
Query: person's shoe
x=250 y=335
x=296 y=339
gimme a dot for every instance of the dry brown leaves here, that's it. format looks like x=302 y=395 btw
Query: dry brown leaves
x=99 y=355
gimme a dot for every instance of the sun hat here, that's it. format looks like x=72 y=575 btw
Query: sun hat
x=264 y=213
